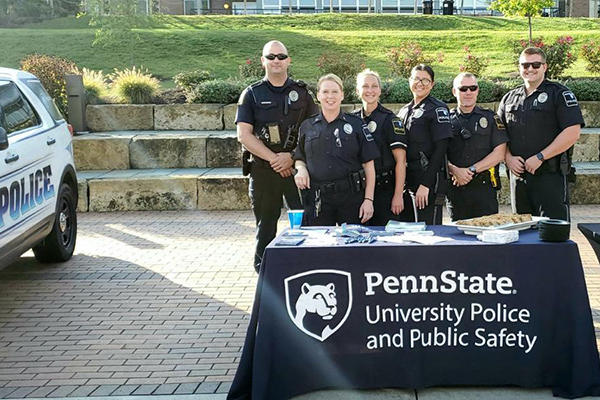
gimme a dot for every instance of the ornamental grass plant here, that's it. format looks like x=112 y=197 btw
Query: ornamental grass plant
x=134 y=86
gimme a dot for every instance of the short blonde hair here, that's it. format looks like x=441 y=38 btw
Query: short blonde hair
x=333 y=78
x=363 y=74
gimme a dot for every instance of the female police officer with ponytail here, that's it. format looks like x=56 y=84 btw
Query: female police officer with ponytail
x=427 y=124
x=391 y=140
x=334 y=160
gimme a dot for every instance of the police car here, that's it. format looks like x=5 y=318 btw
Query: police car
x=38 y=184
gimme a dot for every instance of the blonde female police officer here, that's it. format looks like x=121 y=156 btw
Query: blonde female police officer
x=333 y=150
x=391 y=140
x=427 y=123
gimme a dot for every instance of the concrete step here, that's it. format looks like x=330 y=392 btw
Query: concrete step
x=204 y=149
x=227 y=189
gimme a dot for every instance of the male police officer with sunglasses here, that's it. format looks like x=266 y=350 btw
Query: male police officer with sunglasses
x=268 y=117
x=543 y=121
x=475 y=150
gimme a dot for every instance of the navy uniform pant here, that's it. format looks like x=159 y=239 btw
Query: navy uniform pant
x=544 y=194
x=383 y=206
x=266 y=190
x=336 y=208
x=475 y=199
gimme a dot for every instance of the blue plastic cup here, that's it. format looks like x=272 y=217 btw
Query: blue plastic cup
x=295 y=217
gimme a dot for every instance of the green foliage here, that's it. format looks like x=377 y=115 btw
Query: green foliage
x=51 y=72
x=403 y=58
x=521 y=8
x=346 y=66
x=134 y=86
x=251 y=68
x=216 y=91
x=584 y=89
x=94 y=83
x=590 y=51
x=473 y=64
x=185 y=80
x=559 y=55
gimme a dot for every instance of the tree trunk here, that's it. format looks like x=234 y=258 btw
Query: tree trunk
x=530 y=34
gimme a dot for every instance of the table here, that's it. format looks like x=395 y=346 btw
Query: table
x=592 y=234
x=416 y=316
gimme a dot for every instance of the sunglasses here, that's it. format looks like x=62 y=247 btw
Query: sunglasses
x=472 y=88
x=279 y=56
x=535 y=65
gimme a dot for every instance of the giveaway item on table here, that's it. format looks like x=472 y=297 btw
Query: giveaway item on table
x=396 y=226
x=554 y=230
x=355 y=234
x=290 y=241
x=499 y=236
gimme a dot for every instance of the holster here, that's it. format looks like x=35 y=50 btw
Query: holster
x=246 y=162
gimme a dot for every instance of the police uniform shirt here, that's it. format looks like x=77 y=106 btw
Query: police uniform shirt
x=475 y=136
x=389 y=134
x=333 y=150
x=262 y=105
x=534 y=121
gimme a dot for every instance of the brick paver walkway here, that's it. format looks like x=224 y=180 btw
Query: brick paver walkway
x=152 y=303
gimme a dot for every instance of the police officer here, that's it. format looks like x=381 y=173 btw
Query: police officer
x=427 y=124
x=543 y=121
x=389 y=134
x=333 y=148
x=474 y=152
x=268 y=116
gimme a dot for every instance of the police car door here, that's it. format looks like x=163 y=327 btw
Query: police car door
x=26 y=196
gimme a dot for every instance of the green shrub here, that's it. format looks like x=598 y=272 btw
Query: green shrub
x=51 y=72
x=584 y=89
x=251 y=68
x=216 y=91
x=590 y=51
x=403 y=58
x=346 y=66
x=473 y=64
x=396 y=91
x=94 y=83
x=134 y=86
x=184 y=80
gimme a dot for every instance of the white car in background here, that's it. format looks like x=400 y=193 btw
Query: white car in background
x=38 y=183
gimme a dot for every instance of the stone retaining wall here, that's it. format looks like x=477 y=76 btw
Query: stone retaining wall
x=110 y=117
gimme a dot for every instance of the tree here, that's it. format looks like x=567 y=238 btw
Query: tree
x=521 y=8
x=117 y=21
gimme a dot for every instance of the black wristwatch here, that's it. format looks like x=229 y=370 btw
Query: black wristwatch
x=540 y=156
x=473 y=169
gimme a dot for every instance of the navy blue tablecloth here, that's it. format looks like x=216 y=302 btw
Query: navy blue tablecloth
x=416 y=316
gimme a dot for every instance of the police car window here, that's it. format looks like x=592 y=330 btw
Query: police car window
x=17 y=114
x=48 y=102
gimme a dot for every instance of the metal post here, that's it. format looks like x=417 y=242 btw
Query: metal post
x=76 y=102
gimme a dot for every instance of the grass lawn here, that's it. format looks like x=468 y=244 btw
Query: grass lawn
x=220 y=43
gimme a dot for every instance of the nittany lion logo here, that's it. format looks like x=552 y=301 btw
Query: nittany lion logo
x=319 y=301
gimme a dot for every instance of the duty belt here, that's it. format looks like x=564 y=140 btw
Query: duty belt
x=384 y=177
x=337 y=186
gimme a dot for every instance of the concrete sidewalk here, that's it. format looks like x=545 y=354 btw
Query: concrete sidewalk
x=157 y=303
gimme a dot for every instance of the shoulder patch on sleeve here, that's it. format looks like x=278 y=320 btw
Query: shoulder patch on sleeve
x=443 y=117
x=367 y=133
x=570 y=99
x=499 y=123
x=398 y=126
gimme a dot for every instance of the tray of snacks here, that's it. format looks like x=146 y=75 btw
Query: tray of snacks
x=519 y=222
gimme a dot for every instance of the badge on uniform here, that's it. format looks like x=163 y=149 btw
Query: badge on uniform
x=398 y=128
x=367 y=133
x=418 y=113
x=442 y=115
x=542 y=97
x=274 y=136
x=372 y=125
x=570 y=99
x=293 y=95
x=348 y=128
x=499 y=123
x=483 y=122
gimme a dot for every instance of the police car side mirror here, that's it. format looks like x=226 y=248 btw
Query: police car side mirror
x=3 y=139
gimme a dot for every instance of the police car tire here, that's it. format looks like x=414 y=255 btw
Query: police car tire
x=59 y=245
